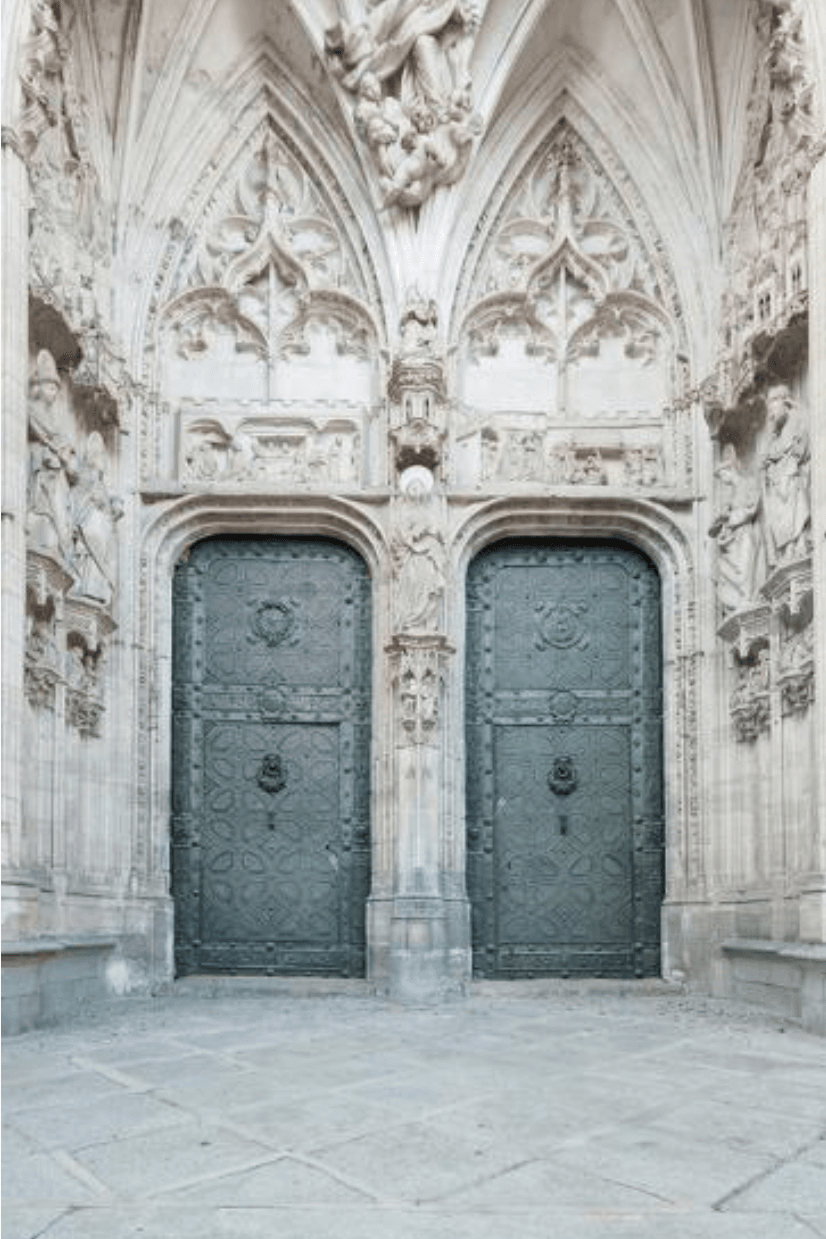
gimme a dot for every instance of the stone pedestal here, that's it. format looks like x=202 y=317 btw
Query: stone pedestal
x=422 y=950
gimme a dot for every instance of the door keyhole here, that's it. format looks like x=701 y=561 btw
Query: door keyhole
x=563 y=823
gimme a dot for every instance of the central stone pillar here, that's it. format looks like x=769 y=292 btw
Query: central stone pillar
x=420 y=946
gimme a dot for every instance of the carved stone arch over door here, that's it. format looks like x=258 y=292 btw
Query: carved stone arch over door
x=564 y=760
x=271 y=736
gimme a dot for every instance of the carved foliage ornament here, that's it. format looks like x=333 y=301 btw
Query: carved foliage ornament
x=565 y=271
x=271 y=262
x=405 y=65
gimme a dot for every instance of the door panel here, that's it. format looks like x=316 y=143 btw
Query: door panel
x=564 y=729
x=270 y=829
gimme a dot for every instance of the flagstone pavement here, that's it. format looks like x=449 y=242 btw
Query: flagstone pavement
x=283 y=1110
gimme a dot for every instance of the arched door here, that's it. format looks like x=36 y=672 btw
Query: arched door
x=564 y=760
x=271 y=713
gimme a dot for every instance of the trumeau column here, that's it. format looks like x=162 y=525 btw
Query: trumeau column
x=15 y=198
x=813 y=897
x=426 y=949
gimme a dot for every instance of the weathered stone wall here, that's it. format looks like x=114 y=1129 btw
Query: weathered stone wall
x=275 y=319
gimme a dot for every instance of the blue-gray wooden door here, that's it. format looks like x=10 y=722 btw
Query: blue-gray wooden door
x=564 y=760
x=271 y=732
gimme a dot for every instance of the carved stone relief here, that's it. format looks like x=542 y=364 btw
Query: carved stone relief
x=70 y=241
x=71 y=551
x=269 y=266
x=419 y=668
x=46 y=585
x=766 y=256
x=565 y=290
x=499 y=453
x=750 y=704
x=417 y=390
x=406 y=66
x=261 y=451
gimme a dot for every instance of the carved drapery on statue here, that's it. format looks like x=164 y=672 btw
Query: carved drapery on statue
x=406 y=66
x=71 y=554
x=419 y=556
x=786 y=483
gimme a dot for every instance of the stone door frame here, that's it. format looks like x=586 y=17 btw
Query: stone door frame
x=474 y=525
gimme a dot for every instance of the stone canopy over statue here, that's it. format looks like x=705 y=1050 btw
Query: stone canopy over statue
x=406 y=64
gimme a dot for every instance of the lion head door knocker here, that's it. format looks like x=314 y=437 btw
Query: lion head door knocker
x=272 y=779
x=562 y=777
x=562 y=780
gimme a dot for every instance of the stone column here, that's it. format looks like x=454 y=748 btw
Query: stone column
x=813 y=896
x=15 y=200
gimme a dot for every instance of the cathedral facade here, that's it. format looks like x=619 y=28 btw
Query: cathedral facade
x=414 y=495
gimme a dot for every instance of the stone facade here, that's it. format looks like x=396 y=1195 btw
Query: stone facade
x=419 y=280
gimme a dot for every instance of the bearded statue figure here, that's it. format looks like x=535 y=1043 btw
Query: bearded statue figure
x=52 y=464
x=785 y=480
x=740 y=551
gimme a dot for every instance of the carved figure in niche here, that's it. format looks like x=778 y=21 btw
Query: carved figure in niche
x=561 y=465
x=523 y=456
x=202 y=459
x=96 y=512
x=785 y=479
x=419 y=325
x=418 y=557
x=740 y=551
x=243 y=457
x=490 y=454
x=52 y=463
x=652 y=466
x=591 y=471
x=407 y=63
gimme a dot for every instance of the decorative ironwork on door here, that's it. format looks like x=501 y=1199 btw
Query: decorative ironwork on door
x=271 y=709
x=564 y=747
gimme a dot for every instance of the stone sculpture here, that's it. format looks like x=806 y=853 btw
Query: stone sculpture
x=406 y=64
x=418 y=556
x=785 y=480
x=95 y=514
x=52 y=464
x=740 y=566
